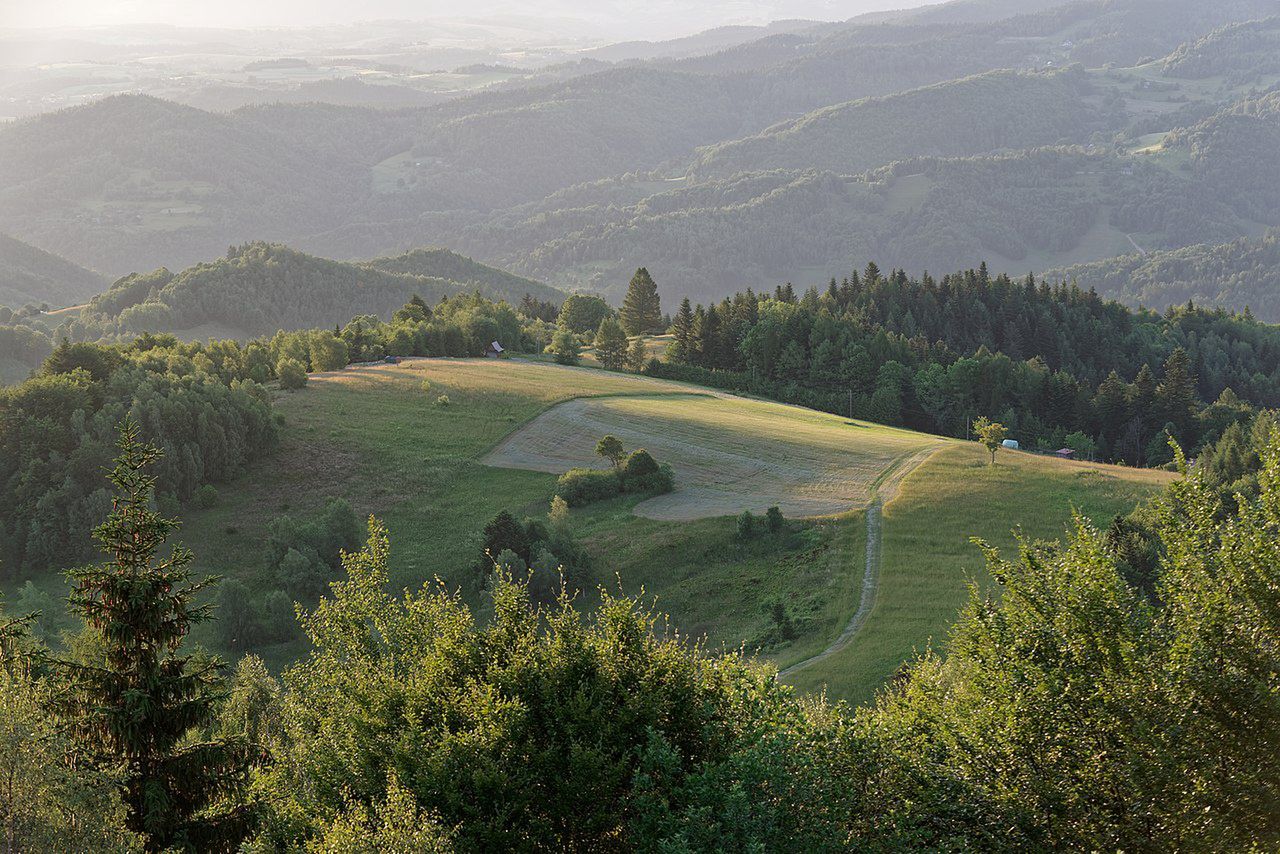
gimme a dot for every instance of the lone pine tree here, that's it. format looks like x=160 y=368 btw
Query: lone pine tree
x=140 y=705
x=642 y=307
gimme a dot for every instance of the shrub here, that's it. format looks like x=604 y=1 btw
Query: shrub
x=292 y=374
x=511 y=563
x=639 y=464
x=207 y=496
x=659 y=482
x=584 y=486
x=746 y=525
x=442 y=400
x=773 y=518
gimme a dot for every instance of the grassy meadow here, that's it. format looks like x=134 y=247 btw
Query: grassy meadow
x=928 y=560
x=375 y=437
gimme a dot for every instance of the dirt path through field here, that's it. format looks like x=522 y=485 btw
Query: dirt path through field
x=886 y=492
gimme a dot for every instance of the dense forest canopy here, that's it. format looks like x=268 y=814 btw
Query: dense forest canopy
x=1057 y=365
x=1238 y=276
x=259 y=288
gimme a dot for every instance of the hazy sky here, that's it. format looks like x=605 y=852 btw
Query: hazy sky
x=607 y=18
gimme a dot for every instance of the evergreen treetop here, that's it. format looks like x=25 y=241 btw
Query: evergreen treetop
x=139 y=707
x=642 y=307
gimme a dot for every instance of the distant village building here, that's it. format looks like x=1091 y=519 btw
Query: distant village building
x=1065 y=453
x=494 y=350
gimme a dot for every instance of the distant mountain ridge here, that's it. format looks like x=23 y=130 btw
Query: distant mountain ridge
x=793 y=153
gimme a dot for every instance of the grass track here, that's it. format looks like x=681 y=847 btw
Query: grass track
x=928 y=560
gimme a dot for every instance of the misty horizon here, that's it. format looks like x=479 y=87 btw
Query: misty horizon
x=621 y=20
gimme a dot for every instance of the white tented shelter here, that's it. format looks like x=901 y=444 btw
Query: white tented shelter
x=1011 y=444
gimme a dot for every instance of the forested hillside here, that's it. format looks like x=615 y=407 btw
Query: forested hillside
x=29 y=276
x=259 y=288
x=1241 y=275
x=1058 y=366
x=1000 y=110
x=1241 y=52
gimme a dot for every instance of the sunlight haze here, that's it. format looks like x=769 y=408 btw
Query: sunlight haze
x=610 y=19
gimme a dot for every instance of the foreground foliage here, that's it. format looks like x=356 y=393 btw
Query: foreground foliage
x=1081 y=709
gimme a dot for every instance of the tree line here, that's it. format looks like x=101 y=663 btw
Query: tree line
x=1057 y=365
x=206 y=405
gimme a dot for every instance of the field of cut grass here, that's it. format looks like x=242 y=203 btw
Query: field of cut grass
x=729 y=454
x=928 y=560
x=374 y=437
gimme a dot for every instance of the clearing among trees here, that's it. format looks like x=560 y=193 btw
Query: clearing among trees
x=729 y=454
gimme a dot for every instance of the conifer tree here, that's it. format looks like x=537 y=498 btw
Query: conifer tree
x=642 y=307
x=1176 y=394
x=138 y=709
x=611 y=344
x=706 y=339
x=682 y=328
x=636 y=356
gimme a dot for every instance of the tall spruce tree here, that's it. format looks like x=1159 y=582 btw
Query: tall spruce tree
x=1175 y=398
x=642 y=307
x=140 y=706
x=682 y=329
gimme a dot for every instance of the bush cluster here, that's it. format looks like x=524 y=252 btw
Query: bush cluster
x=640 y=473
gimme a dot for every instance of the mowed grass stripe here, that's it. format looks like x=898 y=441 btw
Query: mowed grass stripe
x=730 y=454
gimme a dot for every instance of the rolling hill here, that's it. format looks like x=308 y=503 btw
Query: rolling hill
x=1243 y=274
x=30 y=276
x=259 y=288
x=999 y=110
x=428 y=472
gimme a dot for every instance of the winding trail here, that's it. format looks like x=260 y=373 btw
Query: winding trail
x=886 y=491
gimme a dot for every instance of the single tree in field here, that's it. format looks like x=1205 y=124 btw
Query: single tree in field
x=642 y=307
x=140 y=705
x=610 y=447
x=636 y=355
x=611 y=344
x=991 y=434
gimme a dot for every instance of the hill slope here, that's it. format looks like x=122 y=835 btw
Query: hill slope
x=969 y=116
x=259 y=288
x=1238 y=275
x=32 y=276
x=422 y=468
